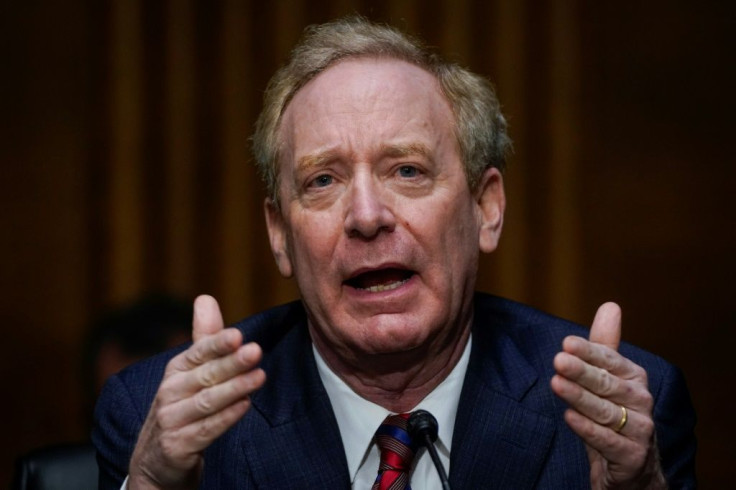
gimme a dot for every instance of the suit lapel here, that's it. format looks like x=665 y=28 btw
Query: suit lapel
x=293 y=440
x=290 y=438
x=499 y=440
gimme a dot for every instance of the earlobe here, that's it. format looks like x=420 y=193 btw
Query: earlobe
x=277 y=236
x=491 y=202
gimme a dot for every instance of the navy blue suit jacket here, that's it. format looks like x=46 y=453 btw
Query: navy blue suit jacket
x=509 y=431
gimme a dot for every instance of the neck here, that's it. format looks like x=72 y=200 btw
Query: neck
x=397 y=381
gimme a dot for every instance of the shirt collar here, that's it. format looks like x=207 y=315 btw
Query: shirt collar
x=358 y=418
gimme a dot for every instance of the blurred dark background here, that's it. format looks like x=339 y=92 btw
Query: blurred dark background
x=124 y=169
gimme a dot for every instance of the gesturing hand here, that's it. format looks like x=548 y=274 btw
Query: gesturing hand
x=596 y=381
x=204 y=391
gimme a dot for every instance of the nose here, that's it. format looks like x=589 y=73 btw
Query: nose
x=368 y=212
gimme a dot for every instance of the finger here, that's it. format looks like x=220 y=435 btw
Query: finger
x=194 y=438
x=207 y=318
x=625 y=383
x=206 y=349
x=593 y=378
x=621 y=453
x=184 y=384
x=602 y=411
x=606 y=328
x=601 y=356
x=210 y=401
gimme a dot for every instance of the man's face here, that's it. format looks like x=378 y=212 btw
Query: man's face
x=376 y=220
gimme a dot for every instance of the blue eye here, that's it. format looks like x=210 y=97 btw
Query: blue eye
x=408 y=171
x=322 y=180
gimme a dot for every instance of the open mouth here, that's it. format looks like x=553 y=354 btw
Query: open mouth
x=380 y=280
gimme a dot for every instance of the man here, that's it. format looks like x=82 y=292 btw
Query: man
x=384 y=170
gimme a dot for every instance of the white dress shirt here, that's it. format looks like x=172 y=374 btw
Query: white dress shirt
x=358 y=419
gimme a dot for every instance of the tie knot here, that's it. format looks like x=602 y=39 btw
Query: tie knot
x=397 y=452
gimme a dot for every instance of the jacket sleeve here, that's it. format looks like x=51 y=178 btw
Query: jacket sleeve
x=674 y=417
x=117 y=422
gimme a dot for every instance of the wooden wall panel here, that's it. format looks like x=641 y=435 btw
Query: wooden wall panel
x=505 y=44
x=44 y=127
x=239 y=179
x=125 y=204
x=657 y=183
x=563 y=199
x=178 y=163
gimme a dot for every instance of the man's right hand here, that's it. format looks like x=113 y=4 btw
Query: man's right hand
x=205 y=391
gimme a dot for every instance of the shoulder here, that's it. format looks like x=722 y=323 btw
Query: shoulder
x=538 y=335
x=267 y=328
x=125 y=400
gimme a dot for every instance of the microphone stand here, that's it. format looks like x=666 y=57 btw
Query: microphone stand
x=422 y=427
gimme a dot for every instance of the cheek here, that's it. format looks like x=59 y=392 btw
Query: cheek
x=312 y=247
x=449 y=224
x=452 y=233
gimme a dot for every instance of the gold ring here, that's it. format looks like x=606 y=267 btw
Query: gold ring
x=624 y=419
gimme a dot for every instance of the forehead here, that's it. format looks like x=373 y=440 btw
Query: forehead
x=366 y=94
x=357 y=76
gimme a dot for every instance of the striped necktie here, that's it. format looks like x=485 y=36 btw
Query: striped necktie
x=397 y=454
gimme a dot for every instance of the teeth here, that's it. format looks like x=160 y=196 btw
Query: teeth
x=384 y=287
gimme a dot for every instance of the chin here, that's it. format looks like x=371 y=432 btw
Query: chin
x=393 y=338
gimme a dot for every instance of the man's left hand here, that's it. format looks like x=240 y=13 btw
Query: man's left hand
x=596 y=381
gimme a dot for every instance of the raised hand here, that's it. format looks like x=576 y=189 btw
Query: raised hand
x=610 y=406
x=205 y=390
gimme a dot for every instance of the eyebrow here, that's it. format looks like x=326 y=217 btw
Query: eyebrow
x=317 y=160
x=405 y=150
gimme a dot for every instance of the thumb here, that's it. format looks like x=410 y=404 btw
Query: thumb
x=207 y=318
x=606 y=328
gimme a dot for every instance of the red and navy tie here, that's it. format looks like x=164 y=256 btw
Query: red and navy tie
x=397 y=454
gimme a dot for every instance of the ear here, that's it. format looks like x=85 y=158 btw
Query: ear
x=277 y=236
x=491 y=201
